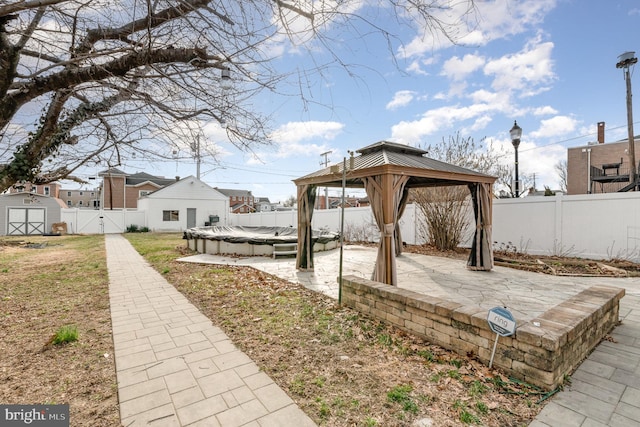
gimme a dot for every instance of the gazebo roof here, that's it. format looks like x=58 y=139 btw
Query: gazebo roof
x=389 y=157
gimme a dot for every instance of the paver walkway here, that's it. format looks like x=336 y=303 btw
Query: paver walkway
x=174 y=368
x=605 y=389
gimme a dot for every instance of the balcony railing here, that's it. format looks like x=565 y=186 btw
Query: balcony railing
x=610 y=177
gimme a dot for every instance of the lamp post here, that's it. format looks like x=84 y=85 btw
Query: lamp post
x=516 y=133
x=225 y=84
x=225 y=78
x=625 y=61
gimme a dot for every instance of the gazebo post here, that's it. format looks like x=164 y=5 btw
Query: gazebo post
x=388 y=215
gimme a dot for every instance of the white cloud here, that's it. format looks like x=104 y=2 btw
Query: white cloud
x=480 y=123
x=483 y=95
x=292 y=139
x=436 y=120
x=457 y=69
x=295 y=132
x=555 y=126
x=416 y=66
x=400 y=99
x=544 y=111
x=529 y=72
x=492 y=20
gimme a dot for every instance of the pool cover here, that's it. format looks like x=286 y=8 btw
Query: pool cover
x=256 y=235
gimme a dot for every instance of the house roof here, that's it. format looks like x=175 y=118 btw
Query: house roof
x=232 y=192
x=205 y=190
x=142 y=177
x=239 y=205
x=391 y=157
x=138 y=178
x=112 y=171
x=59 y=202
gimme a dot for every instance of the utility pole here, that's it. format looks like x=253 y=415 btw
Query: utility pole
x=626 y=60
x=325 y=163
x=196 y=150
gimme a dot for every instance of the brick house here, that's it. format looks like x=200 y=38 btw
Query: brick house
x=240 y=201
x=51 y=189
x=120 y=189
x=598 y=167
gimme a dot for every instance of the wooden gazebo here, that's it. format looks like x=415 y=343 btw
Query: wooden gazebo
x=387 y=171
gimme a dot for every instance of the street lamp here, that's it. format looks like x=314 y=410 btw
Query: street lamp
x=625 y=61
x=516 y=133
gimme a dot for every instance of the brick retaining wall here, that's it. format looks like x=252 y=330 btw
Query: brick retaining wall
x=540 y=355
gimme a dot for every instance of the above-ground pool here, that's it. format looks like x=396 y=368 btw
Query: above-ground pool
x=254 y=241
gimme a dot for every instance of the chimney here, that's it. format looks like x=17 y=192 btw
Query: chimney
x=600 y=132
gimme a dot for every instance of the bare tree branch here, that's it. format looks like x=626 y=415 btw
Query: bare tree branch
x=96 y=82
x=20 y=6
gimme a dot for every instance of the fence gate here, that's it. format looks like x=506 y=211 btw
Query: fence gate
x=25 y=221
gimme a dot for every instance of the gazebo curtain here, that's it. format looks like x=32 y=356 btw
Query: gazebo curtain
x=386 y=217
x=481 y=256
x=403 y=204
x=306 y=202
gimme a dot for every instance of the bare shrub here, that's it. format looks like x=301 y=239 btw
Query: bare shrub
x=361 y=232
x=445 y=211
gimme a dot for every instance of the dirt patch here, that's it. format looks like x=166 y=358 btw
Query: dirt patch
x=45 y=285
x=546 y=264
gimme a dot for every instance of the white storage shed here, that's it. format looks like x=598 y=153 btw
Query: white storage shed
x=26 y=214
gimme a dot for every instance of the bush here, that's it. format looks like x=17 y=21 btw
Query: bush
x=137 y=229
x=132 y=228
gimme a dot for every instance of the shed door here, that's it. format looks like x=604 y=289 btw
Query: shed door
x=25 y=221
x=191 y=217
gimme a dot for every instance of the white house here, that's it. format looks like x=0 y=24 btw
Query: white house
x=184 y=204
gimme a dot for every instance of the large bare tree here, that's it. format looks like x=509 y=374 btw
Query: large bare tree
x=95 y=82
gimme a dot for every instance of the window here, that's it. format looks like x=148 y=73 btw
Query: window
x=143 y=193
x=68 y=203
x=68 y=193
x=46 y=191
x=170 y=215
x=81 y=193
x=80 y=203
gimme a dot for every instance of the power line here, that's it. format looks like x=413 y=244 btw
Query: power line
x=571 y=139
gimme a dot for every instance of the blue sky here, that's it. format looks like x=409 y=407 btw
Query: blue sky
x=549 y=64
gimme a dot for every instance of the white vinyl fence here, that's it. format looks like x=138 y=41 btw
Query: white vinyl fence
x=600 y=226
x=90 y=221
